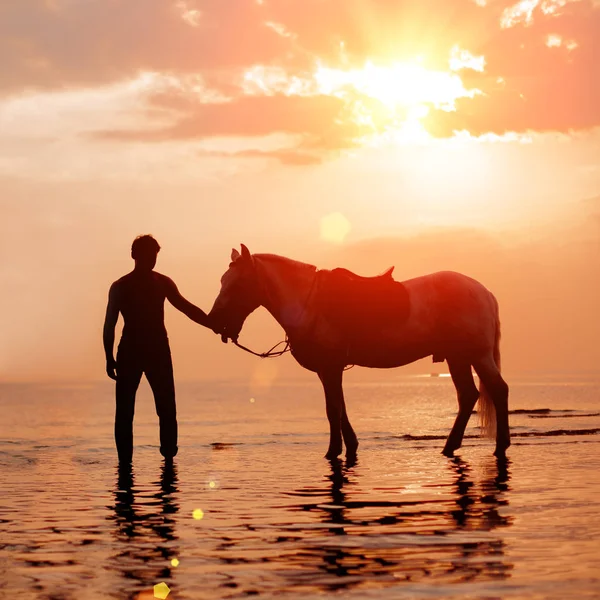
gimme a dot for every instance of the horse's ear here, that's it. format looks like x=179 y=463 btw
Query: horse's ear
x=246 y=254
x=234 y=255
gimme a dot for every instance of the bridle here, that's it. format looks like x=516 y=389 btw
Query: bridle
x=273 y=352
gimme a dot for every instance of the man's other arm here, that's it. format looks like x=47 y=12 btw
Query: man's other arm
x=185 y=306
x=110 y=321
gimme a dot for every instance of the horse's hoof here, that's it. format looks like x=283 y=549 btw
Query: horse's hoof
x=501 y=449
x=332 y=454
x=351 y=448
x=351 y=459
x=447 y=452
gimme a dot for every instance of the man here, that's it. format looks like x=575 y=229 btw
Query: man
x=144 y=347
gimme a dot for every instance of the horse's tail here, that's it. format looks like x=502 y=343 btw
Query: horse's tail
x=487 y=410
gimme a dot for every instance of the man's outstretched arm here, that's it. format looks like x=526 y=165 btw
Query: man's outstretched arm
x=185 y=306
x=110 y=321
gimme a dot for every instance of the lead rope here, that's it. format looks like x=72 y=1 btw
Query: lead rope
x=272 y=353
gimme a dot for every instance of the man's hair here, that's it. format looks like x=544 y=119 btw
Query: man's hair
x=144 y=244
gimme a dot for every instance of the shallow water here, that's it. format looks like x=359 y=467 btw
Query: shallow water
x=278 y=519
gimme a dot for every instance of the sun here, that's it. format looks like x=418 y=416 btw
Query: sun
x=408 y=85
x=391 y=98
x=404 y=93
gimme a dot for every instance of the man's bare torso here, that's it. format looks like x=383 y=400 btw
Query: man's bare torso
x=141 y=301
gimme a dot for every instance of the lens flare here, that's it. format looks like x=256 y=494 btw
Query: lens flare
x=161 y=590
x=334 y=228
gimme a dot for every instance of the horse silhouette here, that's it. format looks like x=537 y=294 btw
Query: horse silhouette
x=334 y=318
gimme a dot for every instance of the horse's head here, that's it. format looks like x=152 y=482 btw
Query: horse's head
x=240 y=295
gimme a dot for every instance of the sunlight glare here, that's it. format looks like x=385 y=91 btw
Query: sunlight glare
x=381 y=98
x=400 y=84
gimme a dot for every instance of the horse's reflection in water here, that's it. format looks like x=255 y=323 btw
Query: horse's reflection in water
x=144 y=527
x=445 y=541
x=337 y=509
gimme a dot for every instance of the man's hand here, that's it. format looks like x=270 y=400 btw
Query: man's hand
x=212 y=324
x=111 y=368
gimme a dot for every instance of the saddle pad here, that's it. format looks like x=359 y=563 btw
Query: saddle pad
x=355 y=306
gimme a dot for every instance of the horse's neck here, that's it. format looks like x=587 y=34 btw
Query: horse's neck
x=287 y=285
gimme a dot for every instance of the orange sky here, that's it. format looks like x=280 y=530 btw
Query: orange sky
x=429 y=134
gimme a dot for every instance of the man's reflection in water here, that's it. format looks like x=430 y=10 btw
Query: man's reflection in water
x=410 y=540
x=144 y=529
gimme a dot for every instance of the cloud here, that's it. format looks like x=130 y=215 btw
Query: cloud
x=463 y=59
x=248 y=68
x=528 y=86
x=285 y=156
x=92 y=42
x=82 y=43
x=318 y=119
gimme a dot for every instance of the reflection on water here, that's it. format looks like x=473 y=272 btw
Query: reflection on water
x=144 y=528
x=410 y=539
x=281 y=522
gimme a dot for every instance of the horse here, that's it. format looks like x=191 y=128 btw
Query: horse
x=335 y=319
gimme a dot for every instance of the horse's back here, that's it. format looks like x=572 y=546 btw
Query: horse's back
x=458 y=313
x=448 y=286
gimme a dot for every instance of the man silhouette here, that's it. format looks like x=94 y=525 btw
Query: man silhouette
x=144 y=347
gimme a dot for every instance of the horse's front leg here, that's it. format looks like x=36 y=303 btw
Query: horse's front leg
x=350 y=439
x=331 y=379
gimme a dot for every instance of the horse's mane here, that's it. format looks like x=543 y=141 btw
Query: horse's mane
x=283 y=260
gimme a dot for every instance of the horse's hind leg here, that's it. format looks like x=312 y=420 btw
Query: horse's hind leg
x=350 y=439
x=334 y=399
x=493 y=385
x=467 y=396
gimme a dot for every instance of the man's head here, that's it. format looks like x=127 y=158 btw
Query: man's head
x=144 y=251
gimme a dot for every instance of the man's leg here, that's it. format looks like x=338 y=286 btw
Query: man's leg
x=129 y=374
x=159 y=372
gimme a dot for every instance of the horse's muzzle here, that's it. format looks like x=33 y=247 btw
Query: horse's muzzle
x=227 y=331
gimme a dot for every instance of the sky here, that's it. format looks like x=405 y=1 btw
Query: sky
x=424 y=134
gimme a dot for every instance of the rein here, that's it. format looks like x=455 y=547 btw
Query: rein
x=273 y=352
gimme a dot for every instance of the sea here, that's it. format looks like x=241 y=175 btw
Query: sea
x=251 y=508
